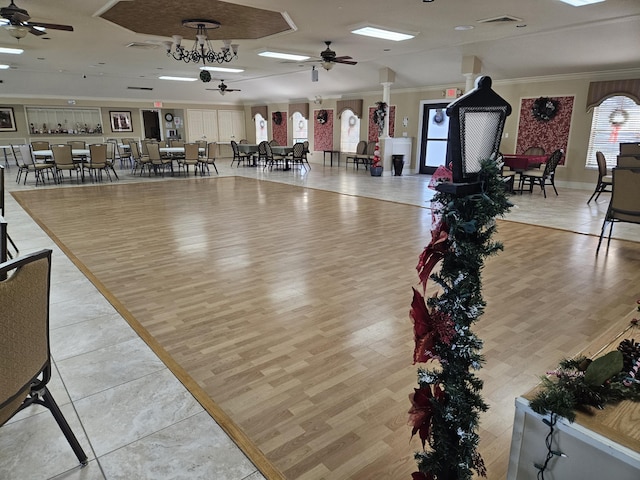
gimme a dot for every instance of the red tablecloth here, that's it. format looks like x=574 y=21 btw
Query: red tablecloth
x=524 y=162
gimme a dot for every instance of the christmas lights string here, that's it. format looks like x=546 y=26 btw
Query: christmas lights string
x=553 y=418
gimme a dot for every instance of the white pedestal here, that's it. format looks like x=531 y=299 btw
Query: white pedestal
x=395 y=146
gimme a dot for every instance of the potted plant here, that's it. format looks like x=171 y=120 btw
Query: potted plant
x=376 y=167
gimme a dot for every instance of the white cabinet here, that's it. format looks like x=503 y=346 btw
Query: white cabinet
x=202 y=125
x=588 y=454
x=231 y=125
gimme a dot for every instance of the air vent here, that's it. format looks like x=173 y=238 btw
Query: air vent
x=144 y=46
x=140 y=88
x=501 y=19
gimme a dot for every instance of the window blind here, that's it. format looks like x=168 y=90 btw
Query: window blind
x=615 y=121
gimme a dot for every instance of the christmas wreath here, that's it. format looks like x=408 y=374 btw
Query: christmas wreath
x=322 y=117
x=277 y=117
x=545 y=108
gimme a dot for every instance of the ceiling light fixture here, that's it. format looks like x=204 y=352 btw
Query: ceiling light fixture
x=382 y=33
x=17 y=31
x=4 y=67
x=222 y=69
x=202 y=49
x=284 y=56
x=580 y=3
x=178 y=79
x=11 y=51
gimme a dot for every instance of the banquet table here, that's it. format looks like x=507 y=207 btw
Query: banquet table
x=252 y=148
x=177 y=149
x=76 y=152
x=520 y=163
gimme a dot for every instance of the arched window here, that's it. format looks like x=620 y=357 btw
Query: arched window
x=349 y=131
x=261 y=129
x=299 y=128
x=615 y=121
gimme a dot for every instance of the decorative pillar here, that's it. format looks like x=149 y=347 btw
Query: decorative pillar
x=387 y=77
x=471 y=66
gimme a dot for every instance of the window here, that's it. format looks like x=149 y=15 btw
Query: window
x=349 y=131
x=300 y=126
x=261 y=129
x=615 y=121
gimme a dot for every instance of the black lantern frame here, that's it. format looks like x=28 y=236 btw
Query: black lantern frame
x=476 y=123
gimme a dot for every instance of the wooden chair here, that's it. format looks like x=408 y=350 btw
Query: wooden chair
x=63 y=161
x=157 y=161
x=624 y=205
x=271 y=159
x=543 y=176
x=237 y=156
x=534 y=151
x=210 y=158
x=25 y=369
x=191 y=157
x=97 y=162
x=361 y=150
x=604 y=180
x=298 y=157
x=30 y=165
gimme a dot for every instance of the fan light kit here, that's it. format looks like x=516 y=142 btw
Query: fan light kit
x=202 y=49
x=222 y=88
x=16 y=23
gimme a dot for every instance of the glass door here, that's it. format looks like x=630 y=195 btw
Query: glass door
x=434 y=132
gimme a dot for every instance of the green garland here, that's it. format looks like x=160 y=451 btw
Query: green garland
x=579 y=382
x=448 y=418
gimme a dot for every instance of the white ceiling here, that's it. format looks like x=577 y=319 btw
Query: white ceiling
x=557 y=39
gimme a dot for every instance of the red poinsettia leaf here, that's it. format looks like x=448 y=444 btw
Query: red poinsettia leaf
x=423 y=333
x=431 y=255
x=421 y=412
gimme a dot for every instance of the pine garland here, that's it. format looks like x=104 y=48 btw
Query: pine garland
x=447 y=416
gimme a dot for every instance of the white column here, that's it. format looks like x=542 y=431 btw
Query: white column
x=386 y=98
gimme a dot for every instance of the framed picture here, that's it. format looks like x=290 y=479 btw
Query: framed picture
x=7 y=120
x=121 y=122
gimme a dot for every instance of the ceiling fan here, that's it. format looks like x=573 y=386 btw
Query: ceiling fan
x=222 y=88
x=16 y=22
x=329 y=58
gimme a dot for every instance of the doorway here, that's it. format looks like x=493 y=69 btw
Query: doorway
x=151 y=122
x=434 y=130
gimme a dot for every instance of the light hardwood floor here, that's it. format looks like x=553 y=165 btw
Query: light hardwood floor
x=288 y=307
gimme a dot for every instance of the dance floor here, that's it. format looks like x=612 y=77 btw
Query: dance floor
x=288 y=307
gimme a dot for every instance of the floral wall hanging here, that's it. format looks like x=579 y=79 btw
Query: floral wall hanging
x=373 y=134
x=323 y=132
x=550 y=135
x=279 y=127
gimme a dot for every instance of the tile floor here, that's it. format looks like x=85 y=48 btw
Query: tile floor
x=132 y=416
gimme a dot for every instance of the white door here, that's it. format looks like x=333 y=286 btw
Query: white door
x=202 y=125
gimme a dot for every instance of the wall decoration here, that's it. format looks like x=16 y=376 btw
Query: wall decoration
x=277 y=117
x=372 y=134
x=279 y=130
x=322 y=117
x=545 y=108
x=550 y=135
x=323 y=132
x=7 y=120
x=121 y=122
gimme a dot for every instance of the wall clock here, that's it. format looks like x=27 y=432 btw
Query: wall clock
x=168 y=117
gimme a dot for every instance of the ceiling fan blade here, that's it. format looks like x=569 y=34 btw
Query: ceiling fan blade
x=52 y=26
x=345 y=62
x=35 y=31
x=343 y=57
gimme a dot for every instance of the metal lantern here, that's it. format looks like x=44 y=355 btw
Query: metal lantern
x=476 y=122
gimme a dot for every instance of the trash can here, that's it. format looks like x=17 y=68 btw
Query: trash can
x=398 y=164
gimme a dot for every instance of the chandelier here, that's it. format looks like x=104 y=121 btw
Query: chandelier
x=202 y=49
